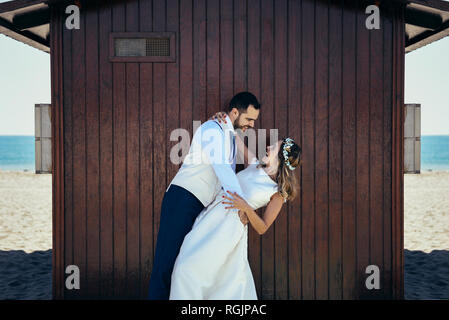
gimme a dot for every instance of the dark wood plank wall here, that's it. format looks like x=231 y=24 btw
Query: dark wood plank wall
x=57 y=148
x=322 y=78
x=397 y=164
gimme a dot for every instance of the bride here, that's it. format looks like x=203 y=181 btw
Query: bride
x=212 y=263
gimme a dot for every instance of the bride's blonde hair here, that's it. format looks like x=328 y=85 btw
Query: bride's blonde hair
x=285 y=176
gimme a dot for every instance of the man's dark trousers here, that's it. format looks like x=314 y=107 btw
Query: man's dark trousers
x=178 y=213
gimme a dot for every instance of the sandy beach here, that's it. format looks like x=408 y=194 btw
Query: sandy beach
x=26 y=235
x=426 y=235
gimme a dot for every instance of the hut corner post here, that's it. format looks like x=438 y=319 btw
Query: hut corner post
x=398 y=155
x=57 y=154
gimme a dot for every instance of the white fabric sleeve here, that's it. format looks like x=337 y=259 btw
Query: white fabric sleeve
x=218 y=154
x=228 y=179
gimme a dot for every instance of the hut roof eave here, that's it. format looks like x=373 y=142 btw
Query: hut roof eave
x=28 y=21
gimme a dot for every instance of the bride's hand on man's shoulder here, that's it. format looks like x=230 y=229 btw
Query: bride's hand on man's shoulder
x=220 y=116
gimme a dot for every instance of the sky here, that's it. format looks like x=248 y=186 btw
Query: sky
x=25 y=81
x=427 y=83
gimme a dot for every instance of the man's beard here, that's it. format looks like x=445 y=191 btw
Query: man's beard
x=237 y=124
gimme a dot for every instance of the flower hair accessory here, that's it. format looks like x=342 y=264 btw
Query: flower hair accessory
x=288 y=142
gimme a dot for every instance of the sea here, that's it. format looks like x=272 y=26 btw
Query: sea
x=17 y=153
x=435 y=153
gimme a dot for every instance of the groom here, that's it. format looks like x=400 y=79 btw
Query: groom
x=207 y=168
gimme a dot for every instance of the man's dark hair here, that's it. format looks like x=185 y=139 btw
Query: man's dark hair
x=242 y=100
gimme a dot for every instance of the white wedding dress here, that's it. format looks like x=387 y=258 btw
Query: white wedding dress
x=213 y=260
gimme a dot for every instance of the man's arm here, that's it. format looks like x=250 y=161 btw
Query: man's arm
x=228 y=178
x=219 y=158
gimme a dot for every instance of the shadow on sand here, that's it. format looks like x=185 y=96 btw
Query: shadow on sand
x=25 y=276
x=426 y=274
x=28 y=275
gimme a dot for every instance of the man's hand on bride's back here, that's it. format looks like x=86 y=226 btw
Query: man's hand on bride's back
x=243 y=217
x=220 y=116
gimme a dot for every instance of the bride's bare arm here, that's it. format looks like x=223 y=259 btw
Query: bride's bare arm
x=260 y=224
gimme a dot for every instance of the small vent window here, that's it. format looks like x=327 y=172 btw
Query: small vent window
x=130 y=47
x=143 y=47
x=158 y=47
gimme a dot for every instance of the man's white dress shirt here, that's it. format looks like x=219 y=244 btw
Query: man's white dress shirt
x=210 y=163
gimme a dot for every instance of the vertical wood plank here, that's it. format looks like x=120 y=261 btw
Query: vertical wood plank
x=173 y=99
x=186 y=65
x=38 y=135
x=294 y=130
x=321 y=150
x=363 y=148
x=397 y=165
x=376 y=154
x=199 y=61
x=46 y=155
x=401 y=162
x=79 y=155
x=146 y=155
x=335 y=150
x=172 y=90
x=267 y=122
x=92 y=153
x=280 y=121
x=159 y=113
x=240 y=46
x=254 y=58
x=308 y=143
x=226 y=52
x=132 y=162
x=106 y=155
x=349 y=146
x=58 y=149
x=394 y=157
x=213 y=58
x=387 y=140
x=45 y=130
x=57 y=154
x=119 y=159
x=68 y=153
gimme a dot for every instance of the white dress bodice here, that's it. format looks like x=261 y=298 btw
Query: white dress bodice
x=257 y=185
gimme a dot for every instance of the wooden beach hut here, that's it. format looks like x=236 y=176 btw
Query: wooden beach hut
x=135 y=70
